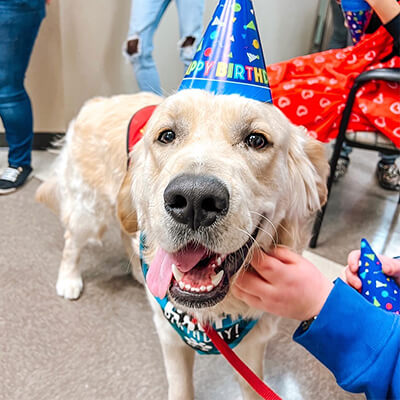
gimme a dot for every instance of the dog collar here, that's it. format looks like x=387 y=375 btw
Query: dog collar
x=190 y=331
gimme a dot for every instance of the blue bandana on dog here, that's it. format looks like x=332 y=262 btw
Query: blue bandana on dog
x=191 y=332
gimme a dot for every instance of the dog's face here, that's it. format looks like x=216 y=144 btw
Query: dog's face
x=213 y=178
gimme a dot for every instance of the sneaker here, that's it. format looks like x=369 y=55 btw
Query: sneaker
x=12 y=178
x=341 y=167
x=388 y=176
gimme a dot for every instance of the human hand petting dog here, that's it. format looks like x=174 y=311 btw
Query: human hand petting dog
x=390 y=267
x=283 y=283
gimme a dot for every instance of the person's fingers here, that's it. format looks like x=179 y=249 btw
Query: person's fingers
x=285 y=255
x=252 y=283
x=353 y=259
x=389 y=266
x=251 y=300
x=353 y=279
x=266 y=265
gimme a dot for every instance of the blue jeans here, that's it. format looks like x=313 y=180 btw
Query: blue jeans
x=145 y=18
x=19 y=25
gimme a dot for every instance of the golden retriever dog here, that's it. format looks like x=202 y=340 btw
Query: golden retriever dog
x=213 y=178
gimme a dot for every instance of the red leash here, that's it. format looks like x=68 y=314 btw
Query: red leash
x=252 y=379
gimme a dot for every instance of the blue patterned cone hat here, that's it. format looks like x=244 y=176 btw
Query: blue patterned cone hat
x=229 y=58
x=381 y=290
x=357 y=14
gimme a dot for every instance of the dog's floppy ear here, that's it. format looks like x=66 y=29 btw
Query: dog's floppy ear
x=126 y=211
x=316 y=153
x=308 y=169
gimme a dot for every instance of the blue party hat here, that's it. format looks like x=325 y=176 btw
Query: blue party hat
x=377 y=288
x=229 y=58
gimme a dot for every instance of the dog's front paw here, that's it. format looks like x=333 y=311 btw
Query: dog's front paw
x=69 y=288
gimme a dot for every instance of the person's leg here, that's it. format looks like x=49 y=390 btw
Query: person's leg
x=343 y=162
x=145 y=18
x=339 y=38
x=388 y=173
x=190 y=13
x=18 y=31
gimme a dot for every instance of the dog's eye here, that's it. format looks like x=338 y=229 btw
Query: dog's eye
x=166 y=137
x=256 y=141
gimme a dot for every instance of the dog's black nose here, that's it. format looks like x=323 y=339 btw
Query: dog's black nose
x=196 y=200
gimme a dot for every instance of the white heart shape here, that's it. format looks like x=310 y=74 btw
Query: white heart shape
x=289 y=86
x=395 y=108
x=380 y=122
x=301 y=111
x=340 y=108
x=298 y=63
x=352 y=60
x=324 y=102
x=283 y=102
x=378 y=99
x=393 y=85
x=307 y=94
x=370 y=56
x=312 y=81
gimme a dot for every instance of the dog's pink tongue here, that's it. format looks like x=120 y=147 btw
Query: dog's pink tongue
x=159 y=274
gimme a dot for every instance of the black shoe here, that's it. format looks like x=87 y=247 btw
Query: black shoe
x=13 y=177
x=341 y=167
x=388 y=176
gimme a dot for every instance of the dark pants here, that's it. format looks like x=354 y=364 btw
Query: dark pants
x=19 y=25
x=340 y=36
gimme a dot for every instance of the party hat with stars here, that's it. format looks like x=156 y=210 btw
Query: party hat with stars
x=229 y=58
x=357 y=14
x=378 y=288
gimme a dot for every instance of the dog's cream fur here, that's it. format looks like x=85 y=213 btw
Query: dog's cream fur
x=280 y=186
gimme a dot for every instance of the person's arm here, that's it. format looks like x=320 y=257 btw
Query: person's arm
x=358 y=342
x=385 y=9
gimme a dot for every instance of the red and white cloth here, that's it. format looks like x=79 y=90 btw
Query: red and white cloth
x=312 y=90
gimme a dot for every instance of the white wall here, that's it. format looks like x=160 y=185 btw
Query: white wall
x=78 y=51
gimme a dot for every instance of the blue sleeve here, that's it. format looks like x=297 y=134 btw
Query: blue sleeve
x=358 y=342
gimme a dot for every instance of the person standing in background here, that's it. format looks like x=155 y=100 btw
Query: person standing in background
x=19 y=24
x=145 y=18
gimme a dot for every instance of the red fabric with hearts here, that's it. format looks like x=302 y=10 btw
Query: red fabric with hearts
x=312 y=90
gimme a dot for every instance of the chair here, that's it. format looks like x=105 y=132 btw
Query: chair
x=380 y=143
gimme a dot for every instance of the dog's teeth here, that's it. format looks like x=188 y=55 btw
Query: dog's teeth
x=187 y=287
x=216 y=279
x=219 y=261
x=177 y=274
x=181 y=285
x=202 y=288
x=213 y=266
x=209 y=288
x=195 y=290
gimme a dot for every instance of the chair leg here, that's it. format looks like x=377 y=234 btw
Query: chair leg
x=321 y=214
x=317 y=228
